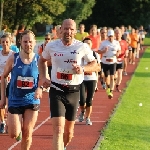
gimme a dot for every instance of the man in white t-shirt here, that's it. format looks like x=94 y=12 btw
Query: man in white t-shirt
x=110 y=49
x=67 y=56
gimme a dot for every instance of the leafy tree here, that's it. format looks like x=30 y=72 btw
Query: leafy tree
x=117 y=12
x=29 y=12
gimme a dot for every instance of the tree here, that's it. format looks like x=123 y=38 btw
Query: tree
x=1 y=18
x=29 y=12
x=117 y=12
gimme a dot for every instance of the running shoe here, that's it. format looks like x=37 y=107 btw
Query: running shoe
x=117 y=89
x=65 y=148
x=88 y=121
x=125 y=73
x=2 y=128
x=108 y=91
x=19 y=137
x=81 y=117
x=110 y=95
x=104 y=86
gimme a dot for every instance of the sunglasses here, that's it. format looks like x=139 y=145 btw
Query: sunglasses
x=103 y=32
x=47 y=38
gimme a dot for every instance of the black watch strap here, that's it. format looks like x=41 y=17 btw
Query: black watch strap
x=41 y=87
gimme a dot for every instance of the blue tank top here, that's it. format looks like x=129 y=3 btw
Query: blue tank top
x=23 y=83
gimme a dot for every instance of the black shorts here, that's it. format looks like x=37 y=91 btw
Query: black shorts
x=119 y=66
x=21 y=109
x=109 y=69
x=49 y=70
x=87 y=90
x=63 y=104
x=133 y=50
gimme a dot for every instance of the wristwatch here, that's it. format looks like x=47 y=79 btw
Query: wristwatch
x=41 y=87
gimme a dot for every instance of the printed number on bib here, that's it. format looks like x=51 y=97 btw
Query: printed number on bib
x=25 y=82
x=64 y=74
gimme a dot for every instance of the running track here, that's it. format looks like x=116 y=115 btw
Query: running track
x=85 y=137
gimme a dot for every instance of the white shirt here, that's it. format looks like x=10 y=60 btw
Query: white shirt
x=92 y=75
x=113 y=47
x=63 y=57
x=3 y=60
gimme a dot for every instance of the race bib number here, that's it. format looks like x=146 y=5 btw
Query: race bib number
x=64 y=74
x=88 y=73
x=25 y=82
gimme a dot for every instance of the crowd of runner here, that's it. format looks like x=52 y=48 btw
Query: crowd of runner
x=69 y=64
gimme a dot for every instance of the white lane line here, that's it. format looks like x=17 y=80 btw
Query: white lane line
x=16 y=143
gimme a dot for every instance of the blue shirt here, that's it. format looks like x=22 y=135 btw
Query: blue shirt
x=23 y=83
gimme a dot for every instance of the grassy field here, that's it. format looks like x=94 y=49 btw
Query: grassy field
x=129 y=127
x=147 y=40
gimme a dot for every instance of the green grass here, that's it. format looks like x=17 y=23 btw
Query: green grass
x=129 y=126
x=40 y=38
x=147 y=40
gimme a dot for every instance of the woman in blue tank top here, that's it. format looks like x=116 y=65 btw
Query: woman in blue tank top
x=24 y=93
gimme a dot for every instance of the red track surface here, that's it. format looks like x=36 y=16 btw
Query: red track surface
x=85 y=137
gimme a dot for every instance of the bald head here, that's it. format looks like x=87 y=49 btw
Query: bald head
x=69 y=21
x=68 y=30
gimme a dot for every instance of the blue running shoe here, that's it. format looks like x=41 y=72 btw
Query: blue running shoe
x=2 y=128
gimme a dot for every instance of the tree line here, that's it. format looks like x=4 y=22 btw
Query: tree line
x=101 y=12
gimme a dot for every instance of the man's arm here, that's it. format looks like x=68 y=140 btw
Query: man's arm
x=42 y=67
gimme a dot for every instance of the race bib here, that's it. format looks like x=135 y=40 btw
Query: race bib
x=87 y=73
x=64 y=74
x=25 y=82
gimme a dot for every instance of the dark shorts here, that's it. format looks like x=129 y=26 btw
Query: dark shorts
x=109 y=69
x=87 y=90
x=63 y=104
x=21 y=109
x=119 y=66
x=49 y=70
x=133 y=50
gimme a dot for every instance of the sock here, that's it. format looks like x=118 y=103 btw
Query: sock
x=111 y=90
x=108 y=86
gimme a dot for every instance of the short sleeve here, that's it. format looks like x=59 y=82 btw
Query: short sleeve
x=88 y=53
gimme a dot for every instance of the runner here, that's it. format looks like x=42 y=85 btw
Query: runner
x=88 y=88
x=103 y=38
x=110 y=49
x=120 y=58
x=19 y=32
x=94 y=37
x=133 y=44
x=4 y=55
x=81 y=34
x=126 y=37
x=24 y=94
x=142 y=35
x=67 y=56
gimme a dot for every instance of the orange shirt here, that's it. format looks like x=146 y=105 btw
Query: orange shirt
x=95 y=42
x=134 y=40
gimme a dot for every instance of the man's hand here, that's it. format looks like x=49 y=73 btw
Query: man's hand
x=105 y=49
x=46 y=82
x=38 y=93
x=78 y=69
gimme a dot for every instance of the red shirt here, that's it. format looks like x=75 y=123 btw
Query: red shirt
x=95 y=42
x=124 y=47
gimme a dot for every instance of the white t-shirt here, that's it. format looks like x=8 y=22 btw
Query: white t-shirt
x=3 y=60
x=92 y=75
x=113 y=47
x=62 y=58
